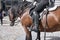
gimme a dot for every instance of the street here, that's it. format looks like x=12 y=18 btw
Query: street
x=16 y=32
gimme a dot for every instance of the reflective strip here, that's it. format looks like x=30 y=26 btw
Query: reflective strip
x=23 y=0
x=30 y=0
x=34 y=3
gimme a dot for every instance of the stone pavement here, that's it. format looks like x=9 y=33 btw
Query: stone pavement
x=8 y=32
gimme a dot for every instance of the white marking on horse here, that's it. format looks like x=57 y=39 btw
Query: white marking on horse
x=23 y=15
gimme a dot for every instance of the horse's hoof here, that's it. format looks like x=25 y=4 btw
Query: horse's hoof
x=37 y=39
x=12 y=24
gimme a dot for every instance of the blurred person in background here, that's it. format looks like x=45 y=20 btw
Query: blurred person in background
x=1 y=16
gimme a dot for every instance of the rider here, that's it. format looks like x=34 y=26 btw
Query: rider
x=38 y=7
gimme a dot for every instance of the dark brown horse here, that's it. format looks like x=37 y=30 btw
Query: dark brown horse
x=53 y=22
x=12 y=16
x=15 y=11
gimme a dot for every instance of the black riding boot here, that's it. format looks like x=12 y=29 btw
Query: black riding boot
x=35 y=22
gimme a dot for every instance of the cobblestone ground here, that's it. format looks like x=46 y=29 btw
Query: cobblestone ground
x=16 y=32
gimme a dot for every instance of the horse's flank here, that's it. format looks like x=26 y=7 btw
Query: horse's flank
x=53 y=21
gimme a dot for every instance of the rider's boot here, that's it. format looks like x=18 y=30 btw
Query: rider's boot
x=35 y=22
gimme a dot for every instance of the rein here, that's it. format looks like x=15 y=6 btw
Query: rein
x=24 y=8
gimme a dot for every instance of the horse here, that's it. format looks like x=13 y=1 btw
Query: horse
x=53 y=22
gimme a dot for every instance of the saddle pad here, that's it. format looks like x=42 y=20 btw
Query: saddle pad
x=52 y=8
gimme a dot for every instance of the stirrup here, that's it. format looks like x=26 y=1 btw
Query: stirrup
x=31 y=29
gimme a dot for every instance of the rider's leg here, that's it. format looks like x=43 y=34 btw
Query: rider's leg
x=31 y=10
x=36 y=21
x=40 y=7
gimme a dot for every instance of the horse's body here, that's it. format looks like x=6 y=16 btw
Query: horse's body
x=53 y=22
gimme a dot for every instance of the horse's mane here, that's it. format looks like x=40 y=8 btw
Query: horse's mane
x=25 y=7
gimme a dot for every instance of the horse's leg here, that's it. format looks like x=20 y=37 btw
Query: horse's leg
x=12 y=23
x=38 y=35
x=13 y=20
x=28 y=34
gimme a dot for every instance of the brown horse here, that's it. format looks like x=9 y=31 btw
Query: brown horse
x=53 y=22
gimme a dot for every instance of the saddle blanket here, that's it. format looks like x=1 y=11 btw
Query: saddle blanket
x=49 y=9
x=52 y=8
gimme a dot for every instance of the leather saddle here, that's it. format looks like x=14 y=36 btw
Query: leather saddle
x=49 y=9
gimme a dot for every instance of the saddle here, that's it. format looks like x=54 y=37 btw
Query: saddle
x=49 y=9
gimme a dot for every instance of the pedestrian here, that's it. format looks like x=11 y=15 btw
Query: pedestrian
x=1 y=16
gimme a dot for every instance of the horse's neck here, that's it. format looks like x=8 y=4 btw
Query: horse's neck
x=26 y=11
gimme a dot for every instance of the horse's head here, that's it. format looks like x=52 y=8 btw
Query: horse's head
x=17 y=11
x=13 y=15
